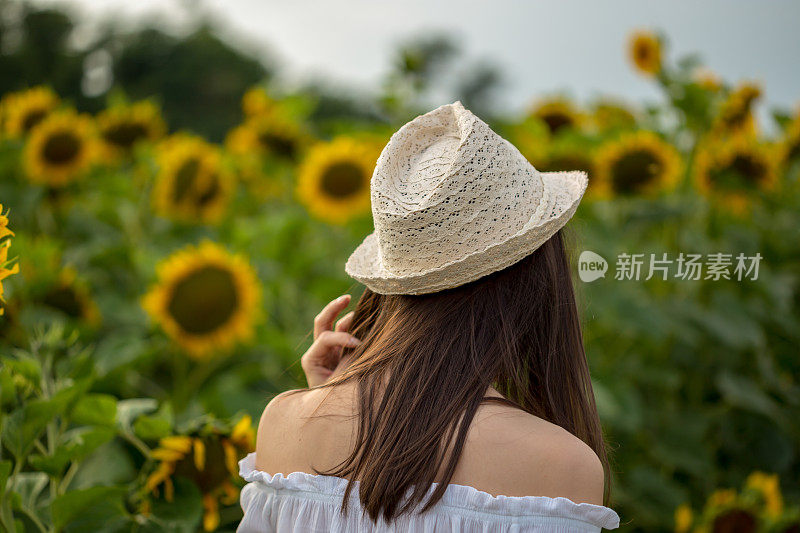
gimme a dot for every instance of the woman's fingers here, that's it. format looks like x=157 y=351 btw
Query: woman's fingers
x=345 y=322
x=326 y=350
x=333 y=339
x=324 y=320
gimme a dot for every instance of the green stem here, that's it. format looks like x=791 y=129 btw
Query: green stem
x=192 y=381
x=67 y=479
x=33 y=518
x=137 y=443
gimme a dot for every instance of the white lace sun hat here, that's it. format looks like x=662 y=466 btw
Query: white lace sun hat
x=452 y=201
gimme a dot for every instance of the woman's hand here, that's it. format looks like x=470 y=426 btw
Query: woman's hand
x=321 y=358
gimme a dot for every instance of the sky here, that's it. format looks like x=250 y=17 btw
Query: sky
x=571 y=46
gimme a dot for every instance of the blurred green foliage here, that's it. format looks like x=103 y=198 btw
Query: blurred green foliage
x=696 y=381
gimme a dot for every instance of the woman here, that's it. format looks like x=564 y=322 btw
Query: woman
x=456 y=396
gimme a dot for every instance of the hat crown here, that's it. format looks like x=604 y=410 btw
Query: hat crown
x=447 y=185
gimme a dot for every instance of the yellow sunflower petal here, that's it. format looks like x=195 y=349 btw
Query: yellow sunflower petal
x=199 y=455
x=230 y=493
x=165 y=454
x=161 y=474
x=231 y=457
x=210 y=513
x=242 y=433
x=683 y=518
x=169 y=490
x=178 y=443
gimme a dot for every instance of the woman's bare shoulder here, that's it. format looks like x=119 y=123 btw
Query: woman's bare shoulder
x=518 y=454
x=302 y=418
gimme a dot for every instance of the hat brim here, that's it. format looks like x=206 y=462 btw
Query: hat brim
x=563 y=189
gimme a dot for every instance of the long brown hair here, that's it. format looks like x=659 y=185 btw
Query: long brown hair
x=426 y=361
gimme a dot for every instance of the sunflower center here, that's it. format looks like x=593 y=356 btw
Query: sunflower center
x=556 y=121
x=61 y=148
x=214 y=472
x=208 y=195
x=743 y=171
x=204 y=300
x=644 y=52
x=64 y=299
x=635 y=169
x=341 y=180
x=184 y=179
x=794 y=151
x=125 y=134
x=32 y=119
x=735 y=521
x=278 y=144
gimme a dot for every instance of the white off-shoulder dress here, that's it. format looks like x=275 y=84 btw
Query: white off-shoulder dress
x=303 y=502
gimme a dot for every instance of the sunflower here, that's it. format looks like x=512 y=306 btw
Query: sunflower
x=123 y=126
x=333 y=179
x=24 y=110
x=209 y=459
x=7 y=267
x=192 y=184
x=769 y=489
x=736 y=113
x=270 y=134
x=60 y=149
x=725 y=513
x=558 y=114
x=609 y=115
x=638 y=162
x=206 y=299
x=644 y=48
x=72 y=297
x=256 y=101
x=733 y=168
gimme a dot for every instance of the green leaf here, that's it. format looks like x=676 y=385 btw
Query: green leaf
x=29 y=486
x=25 y=366
x=77 y=444
x=26 y=423
x=8 y=391
x=93 y=509
x=129 y=410
x=152 y=427
x=745 y=394
x=6 y=516
x=114 y=352
x=110 y=464
x=95 y=410
x=184 y=512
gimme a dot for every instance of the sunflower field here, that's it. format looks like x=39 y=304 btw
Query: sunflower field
x=159 y=287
